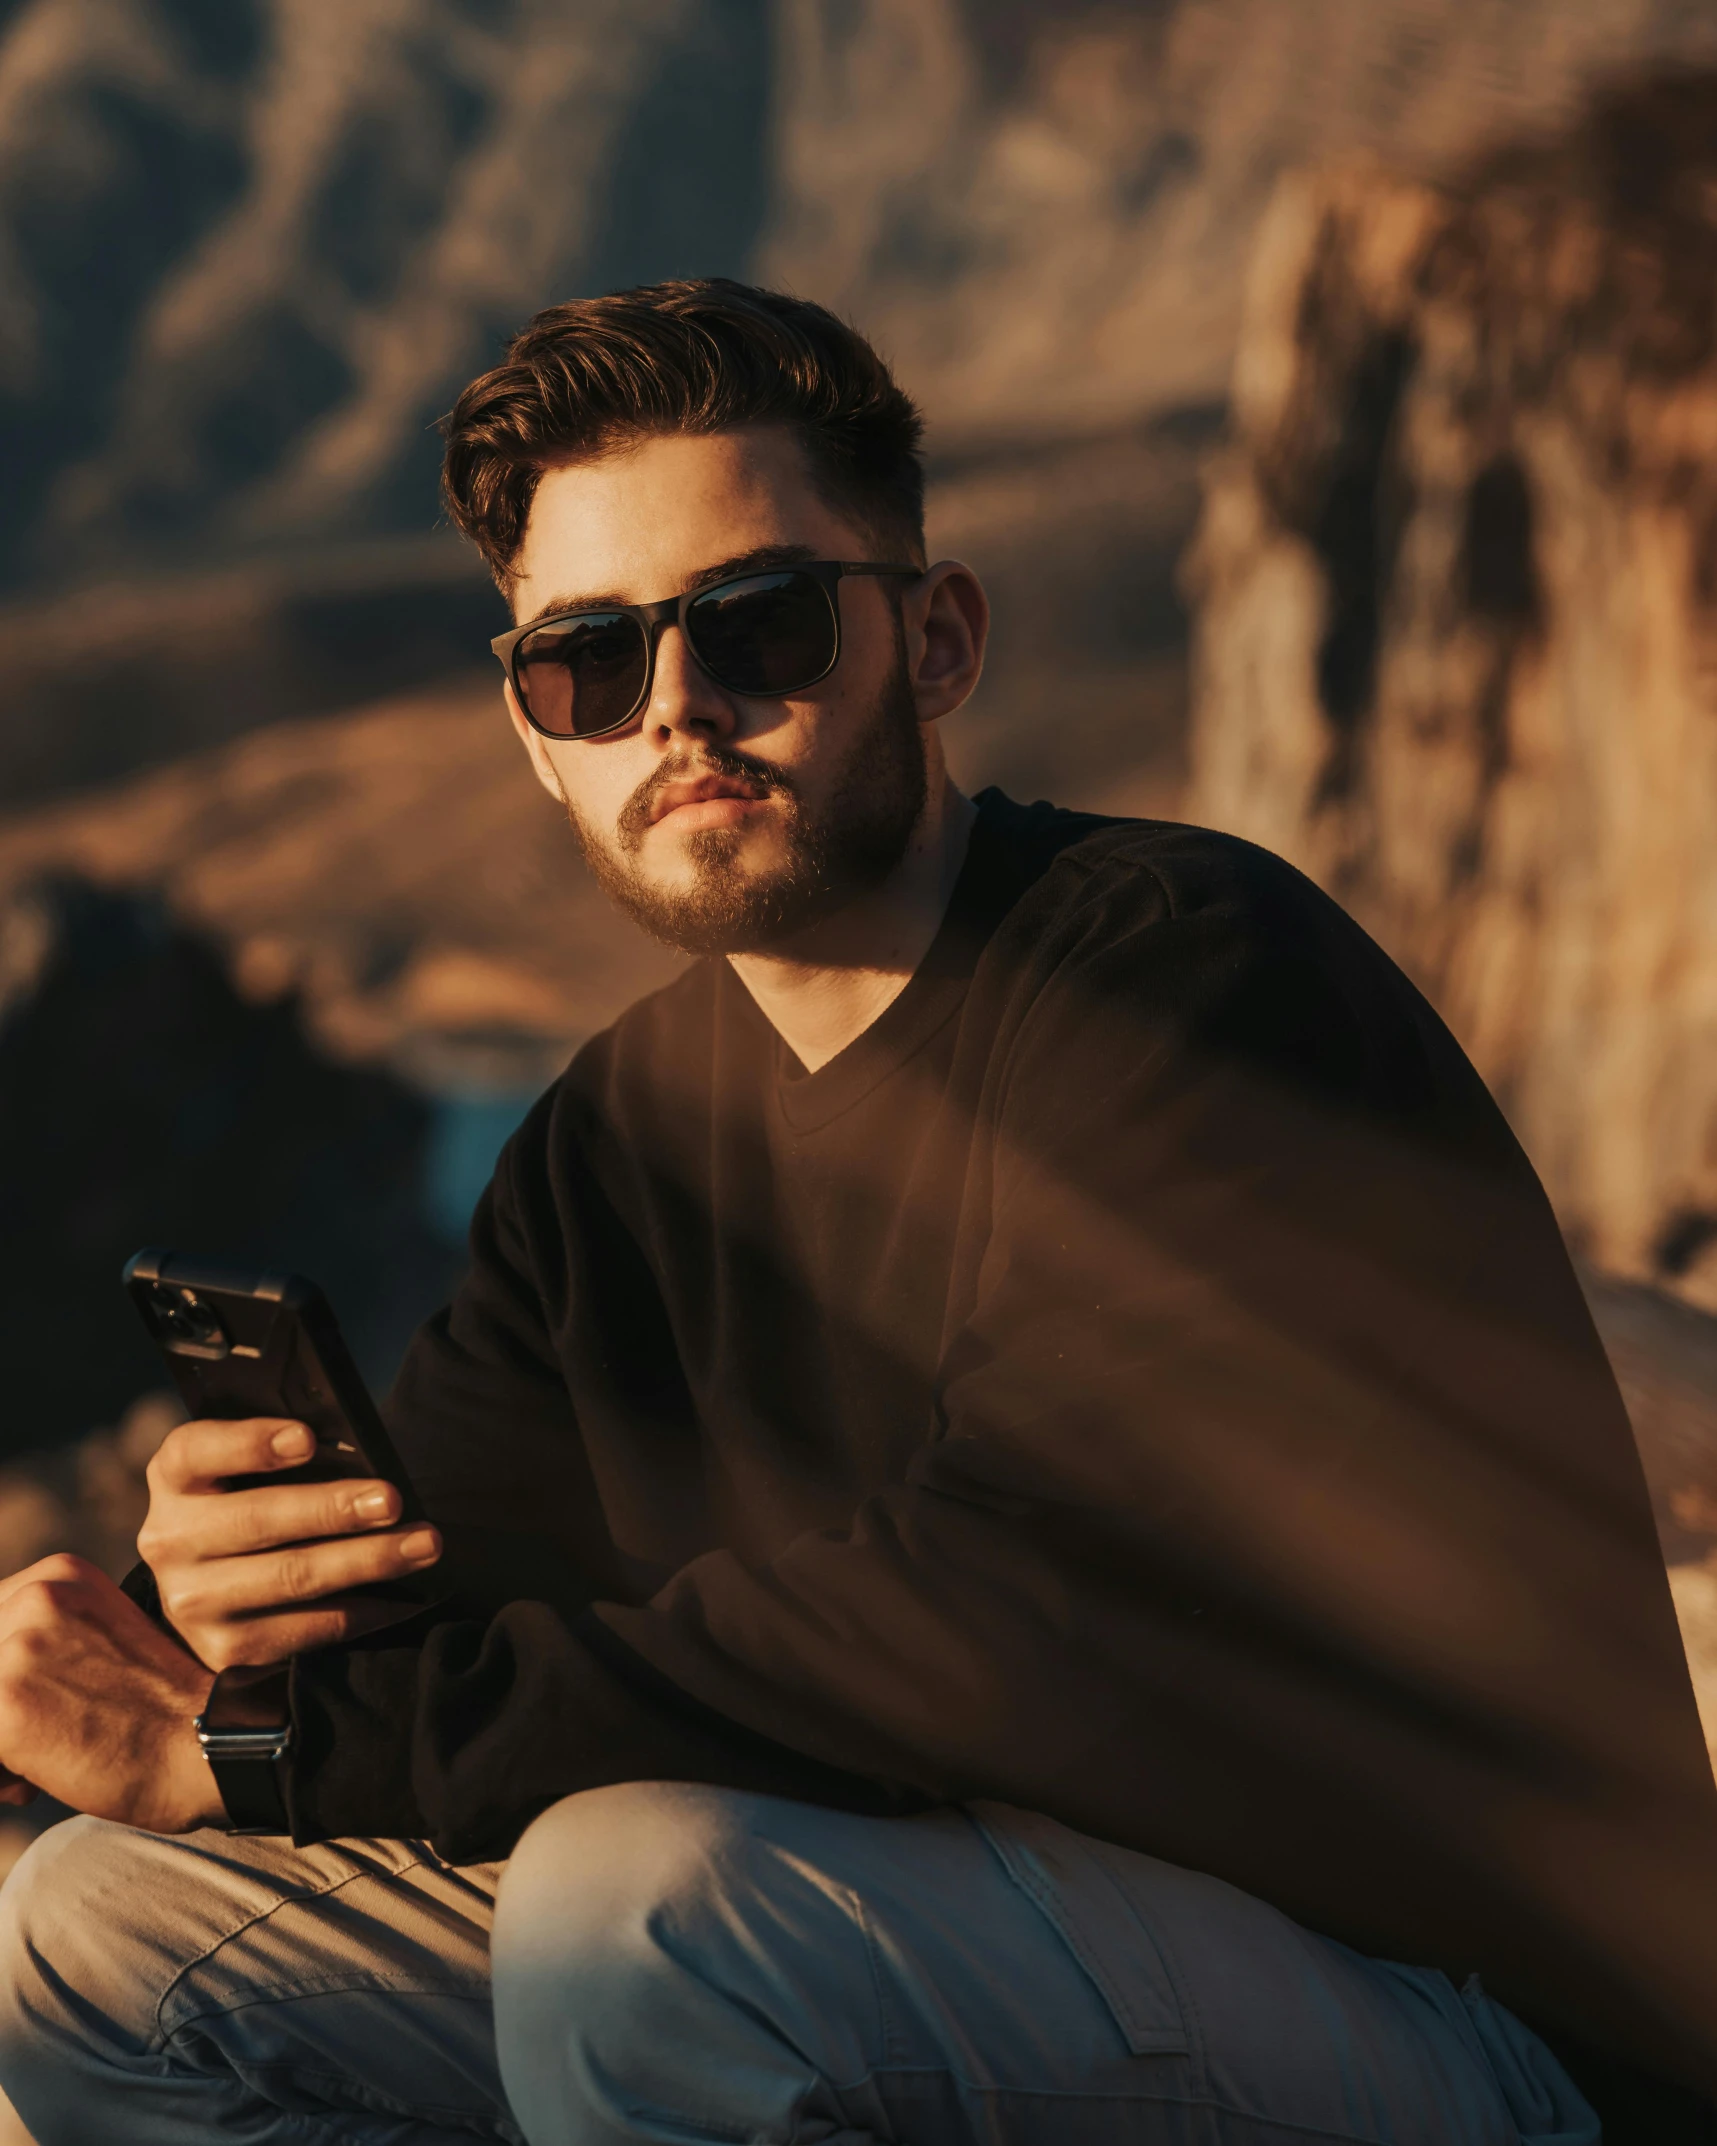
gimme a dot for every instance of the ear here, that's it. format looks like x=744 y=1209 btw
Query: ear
x=947 y=620
x=536 y=747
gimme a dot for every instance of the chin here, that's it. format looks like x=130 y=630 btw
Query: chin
x=692 y=856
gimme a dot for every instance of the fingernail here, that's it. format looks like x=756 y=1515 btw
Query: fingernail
x=290 y=1440
x=372 y=1505
x=421 y=1548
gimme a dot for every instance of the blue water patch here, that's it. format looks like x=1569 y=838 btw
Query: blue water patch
x=469 y=1129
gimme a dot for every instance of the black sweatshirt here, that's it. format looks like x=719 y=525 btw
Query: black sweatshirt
x=1139 y=1379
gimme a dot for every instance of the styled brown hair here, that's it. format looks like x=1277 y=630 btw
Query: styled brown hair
x=695 y=357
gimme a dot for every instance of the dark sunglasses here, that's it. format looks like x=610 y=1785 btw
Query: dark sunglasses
x=582 y=674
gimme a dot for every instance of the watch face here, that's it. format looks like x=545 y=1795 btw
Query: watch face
x=248 y=1702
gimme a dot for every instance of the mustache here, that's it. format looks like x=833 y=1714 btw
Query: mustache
x=637 y=812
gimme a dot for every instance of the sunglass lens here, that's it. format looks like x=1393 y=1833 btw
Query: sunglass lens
x=581 y=676
x=767 y=634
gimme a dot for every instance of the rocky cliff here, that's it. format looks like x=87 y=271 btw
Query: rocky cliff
x=143 y=1100
x=1045 y=210
x=1456 y=585
x=396 y=874
x=249 y=249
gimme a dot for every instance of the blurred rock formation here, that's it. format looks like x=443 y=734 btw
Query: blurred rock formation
x=102 y=681
x=88 y=1497
x=1665 y=1356
x=1084 y=696
x=1084 y=693
x=249 y=252
x=143 y=1100
x=1456 y=589
x=396 y=874
x=251 y=248
x=1044 y=208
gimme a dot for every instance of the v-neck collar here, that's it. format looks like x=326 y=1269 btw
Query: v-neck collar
x=933 y=994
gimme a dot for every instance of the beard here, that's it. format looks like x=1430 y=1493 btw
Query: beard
x=845 y=849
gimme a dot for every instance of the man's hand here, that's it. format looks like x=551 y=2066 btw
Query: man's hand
x=253 y=1576
x=97 y=1703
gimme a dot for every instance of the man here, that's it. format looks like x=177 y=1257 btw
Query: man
x=1026 y=1494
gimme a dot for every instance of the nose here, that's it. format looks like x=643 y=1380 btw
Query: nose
x=685 y=702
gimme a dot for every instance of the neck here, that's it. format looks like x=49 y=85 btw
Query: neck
x=828 y=985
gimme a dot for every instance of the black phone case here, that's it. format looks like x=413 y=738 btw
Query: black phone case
x=272 y=1347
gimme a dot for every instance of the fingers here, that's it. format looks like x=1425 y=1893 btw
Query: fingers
x=235 y=1523
x=254 y=1574
x=304 y=1571
x=61 y=1570
x=62 y=1590
x=224 y=1588
x=256 y=1642
x=200 y=1456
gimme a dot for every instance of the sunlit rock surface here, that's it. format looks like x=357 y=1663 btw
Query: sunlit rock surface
x=1456 y=587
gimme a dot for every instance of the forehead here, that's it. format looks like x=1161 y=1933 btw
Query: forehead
x=642 y=521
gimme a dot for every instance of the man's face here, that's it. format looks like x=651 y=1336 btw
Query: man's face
x=725 y=824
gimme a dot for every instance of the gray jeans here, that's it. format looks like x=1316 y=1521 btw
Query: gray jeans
x=681 y=1964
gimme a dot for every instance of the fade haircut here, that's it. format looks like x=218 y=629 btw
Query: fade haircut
x=689 y=357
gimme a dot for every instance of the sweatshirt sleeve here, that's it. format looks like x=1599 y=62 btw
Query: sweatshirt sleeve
x=463 y=1721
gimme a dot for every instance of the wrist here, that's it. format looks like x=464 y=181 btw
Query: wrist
x=198 y=1801
x=192 y=1797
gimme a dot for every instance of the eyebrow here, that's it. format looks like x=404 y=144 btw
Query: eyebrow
x=759 y=560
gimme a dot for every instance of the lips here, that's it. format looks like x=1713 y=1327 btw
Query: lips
x=701 y=791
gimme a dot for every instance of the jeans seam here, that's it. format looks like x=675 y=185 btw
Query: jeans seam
x=349 y=1983
x=1031 y=1881
x=892 y=2040
x=163 y=2036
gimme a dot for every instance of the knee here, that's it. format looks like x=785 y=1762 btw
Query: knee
x=649 y=1940
x=57 y=1925
x=598 y=1880
x=53 y=1893
x=596 y=1955
x=657 y=1900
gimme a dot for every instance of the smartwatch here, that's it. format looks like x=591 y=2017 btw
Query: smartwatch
x=245 y=1730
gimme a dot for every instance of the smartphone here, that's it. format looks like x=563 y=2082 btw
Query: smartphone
x=241 y=1344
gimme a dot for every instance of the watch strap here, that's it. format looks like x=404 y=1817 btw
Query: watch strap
x=245 y=1730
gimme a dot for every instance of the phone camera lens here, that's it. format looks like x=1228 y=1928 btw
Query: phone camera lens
x=183 y=1315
